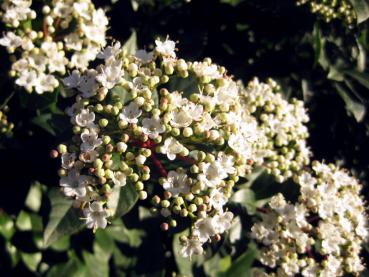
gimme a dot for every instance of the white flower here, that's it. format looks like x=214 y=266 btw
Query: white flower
x=87 y=84
x=85 y=118
x=11 y=41
x=227 y=162
x=90 y=141
x=166 y=48
x=171 y=148
x=213 y=173
x=95 y=216
x=73 y=80
x=68 y=160
x=203 y=69
x=45 y=83
x=152 y=127
x=177 y=183
x=27 y=79
x=89 y=156
x=217 y=199
x=111 y=74
x=144 y=56
x=110 y=52
x=119 y=179
x=73 y=184
x=192 y=247
x=180 y=118
x=131 y=113
x=204 y=229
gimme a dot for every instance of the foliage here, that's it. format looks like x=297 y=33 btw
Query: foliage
x=325 y=64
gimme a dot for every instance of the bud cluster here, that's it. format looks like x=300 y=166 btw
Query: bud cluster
x=322 y=234
x=283 y=124
x=5 y=126
x=65 y=34
x=331 y=10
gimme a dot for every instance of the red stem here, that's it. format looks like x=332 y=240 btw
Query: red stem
x=159 y=165
x=151 y=145
x=44 y=26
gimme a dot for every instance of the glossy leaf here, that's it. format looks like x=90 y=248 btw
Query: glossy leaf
x=122 y=199
x=63 y=220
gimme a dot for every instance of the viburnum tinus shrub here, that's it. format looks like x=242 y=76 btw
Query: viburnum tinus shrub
x=46 y=42
x=322 y=234
x=185 y=131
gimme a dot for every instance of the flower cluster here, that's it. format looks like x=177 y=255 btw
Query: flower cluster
x=322 y=234
x=283 y=124
x=332 y=9
x=5 y=126
x=133 y=125
x=70 y=35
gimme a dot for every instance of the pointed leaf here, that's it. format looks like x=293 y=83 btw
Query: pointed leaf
x=122 y=199
x=361 y=8
x=64 y=219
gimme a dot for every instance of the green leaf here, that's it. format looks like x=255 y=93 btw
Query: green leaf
x=243 y=265
x=352 y=106
x=104 y=243
x=361 y=77
x=31 y=260
x=122 y=93
x=64 y=219
x=122 y=199
x=13 y=253
x=95 y=265
x=7 y=228
x=61 y=244
x=119 y=232
x=246 y=197
x=130 y=46
x=33 y=200
x=217 y=264
x=52 y=123
x=361 y=8
x=24 y=222
x=72 y=268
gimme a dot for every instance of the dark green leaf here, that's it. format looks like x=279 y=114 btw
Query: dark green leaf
x=122 y=199
x=361 y=8
x=353 y=107
x=130 y=46
x=7 y=228
x=95 y=265
x=31 y=260
x=33 y=200
x=242 y=266
x=119 y=232
x=122 y=93
x=63 y=220
x=61 y=244
x=24 y=222
x=361 y=77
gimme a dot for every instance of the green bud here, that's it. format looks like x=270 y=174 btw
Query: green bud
x=165 y=203
x=62 y=148
x=103 y=122
x=139 y=186
x=142 y=195
x=192 y=208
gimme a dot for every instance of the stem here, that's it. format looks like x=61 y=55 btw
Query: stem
x=44 y=28
x=186 y=159
x=159 y=165
x=7 y=100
